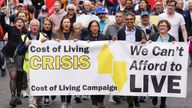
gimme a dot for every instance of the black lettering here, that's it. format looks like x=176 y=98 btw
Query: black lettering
x=171 y=84
x=132 y=84
x=157 y=87
x=146 y=83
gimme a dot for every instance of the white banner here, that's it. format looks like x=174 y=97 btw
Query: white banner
x=104 y=68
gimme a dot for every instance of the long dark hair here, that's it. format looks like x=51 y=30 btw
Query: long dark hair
x=89 y=26
x=61 y=26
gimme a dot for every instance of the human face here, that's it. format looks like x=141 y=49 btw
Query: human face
x=123 y=2
x=34 y=27
x=159 y=6
x=119 y=18
x=129 y=20
x=77 y=28
x=57 y=6
x=171 y=7
x=20 y=8
x=102 y=16
x=71 y=10
x=129 y=4
x=145 y=20
x=87 y=6
x=190 y=4
x=19 y=24
x=143 y=5
x=180 y=4
x=94 y=28
x=47 y=25
x=22 y=16
x=66 y=24
x=163 y=27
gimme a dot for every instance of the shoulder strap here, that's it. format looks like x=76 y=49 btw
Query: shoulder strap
x=154 y=28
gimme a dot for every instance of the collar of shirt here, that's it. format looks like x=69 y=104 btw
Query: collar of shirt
x=130 y=30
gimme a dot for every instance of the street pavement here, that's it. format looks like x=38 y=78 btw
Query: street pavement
x=171 y=102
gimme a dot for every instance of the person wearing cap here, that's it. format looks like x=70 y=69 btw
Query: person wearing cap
x=20 y=7
x=43 y=14
x=146 y=25
x=104 y=21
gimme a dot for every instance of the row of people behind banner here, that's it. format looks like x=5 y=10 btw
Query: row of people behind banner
x=64 y=26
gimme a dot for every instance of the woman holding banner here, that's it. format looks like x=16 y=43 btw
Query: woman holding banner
x=163 y=36
x=94 y=29
x=65 y=33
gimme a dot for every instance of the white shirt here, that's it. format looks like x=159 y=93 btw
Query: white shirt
x=130 y=35
x=176 y=21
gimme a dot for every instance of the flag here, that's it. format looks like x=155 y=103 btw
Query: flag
x=50 y=7
x=1 y=2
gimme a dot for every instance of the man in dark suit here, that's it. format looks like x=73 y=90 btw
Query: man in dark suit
x=189 y=16
x=131 y=32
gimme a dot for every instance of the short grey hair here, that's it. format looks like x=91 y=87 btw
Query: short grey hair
x=71 y=5
x=34 y=21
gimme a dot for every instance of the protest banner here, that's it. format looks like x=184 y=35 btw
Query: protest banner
x=106 y=67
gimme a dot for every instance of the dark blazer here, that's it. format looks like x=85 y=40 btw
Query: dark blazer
x=91 y=38
x=155 y=36
x=139 y=34
x=188 y=20
x=14 y=36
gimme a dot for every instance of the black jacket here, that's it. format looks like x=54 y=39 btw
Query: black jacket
x=155 y=36
x=14 y=36
x=139 y=34
x=98 y=38
x=188 y=21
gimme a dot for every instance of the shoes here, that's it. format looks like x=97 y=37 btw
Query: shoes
x=18 y=101
x=24 y=94
x=63 y=105
x=13 y=103
x=77 y=99
x=32 y=106
x=142 y=99
x=3 y=72
x=154 y=100
x=53 y=98
x=94 y=106
x=46 y=101
x=85 y=97
x=69 y=106
x=101 y=105
x=162 y=106
x=136 y=102
x=190 y=65
x=116 y=99
x=130 y=105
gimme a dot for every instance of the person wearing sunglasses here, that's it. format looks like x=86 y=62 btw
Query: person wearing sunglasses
x=103 y=20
